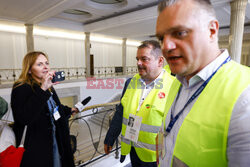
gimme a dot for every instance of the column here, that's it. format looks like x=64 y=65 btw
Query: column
x=87 y=53
x=124 y=55
x=29 y=37
x=248 y=58
x=243 y=59
x=238 y=9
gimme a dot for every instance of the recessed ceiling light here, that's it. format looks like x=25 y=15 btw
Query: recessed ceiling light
x=108 y=1
x=76 y=12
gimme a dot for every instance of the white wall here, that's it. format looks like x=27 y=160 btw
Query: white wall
x=131 y=55
x=62 y=52
x=12 y=49
x=110 y=55
x=106 y=54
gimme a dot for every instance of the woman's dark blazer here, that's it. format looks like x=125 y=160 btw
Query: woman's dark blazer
x=29 y=106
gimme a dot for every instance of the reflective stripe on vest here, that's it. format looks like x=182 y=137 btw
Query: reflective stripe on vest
x=144 y=127
x=139 y=144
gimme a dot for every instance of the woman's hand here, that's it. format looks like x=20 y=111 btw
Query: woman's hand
x=74 y=111
x=46 y=80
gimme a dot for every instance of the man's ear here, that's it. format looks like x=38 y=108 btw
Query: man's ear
x=161 y=61
x=214 y=30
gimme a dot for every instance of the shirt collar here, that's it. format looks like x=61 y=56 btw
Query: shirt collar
x=151 y=84
x=205 y=73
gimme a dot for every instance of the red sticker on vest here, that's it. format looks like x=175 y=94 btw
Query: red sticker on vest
x=161 y=95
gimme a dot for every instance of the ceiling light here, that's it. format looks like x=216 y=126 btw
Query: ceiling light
x=76 y=12
x=12 y=28
x=40 y=31
x=107 y=1
x=106 y=39
x=97 y=38
x=59 y=34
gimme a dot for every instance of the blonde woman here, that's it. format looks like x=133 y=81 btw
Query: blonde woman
x=35 y=103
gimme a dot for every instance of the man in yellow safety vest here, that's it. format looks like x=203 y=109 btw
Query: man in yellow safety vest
x=208 y=108
x=140 y=113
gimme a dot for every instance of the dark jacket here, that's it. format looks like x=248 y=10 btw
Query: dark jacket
x=3 y=107
x=116 y=123
x=30 y=108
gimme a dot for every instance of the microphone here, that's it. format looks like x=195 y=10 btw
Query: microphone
x=80 y=105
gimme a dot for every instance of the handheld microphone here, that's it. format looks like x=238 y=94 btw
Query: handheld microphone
x=80 y=105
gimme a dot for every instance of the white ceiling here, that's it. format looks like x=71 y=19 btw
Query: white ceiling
x=133 y=19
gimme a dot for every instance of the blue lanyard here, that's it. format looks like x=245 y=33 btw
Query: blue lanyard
x=196 y=94
x=51 y=103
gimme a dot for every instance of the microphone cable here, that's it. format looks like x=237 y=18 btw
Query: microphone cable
x=90 y=131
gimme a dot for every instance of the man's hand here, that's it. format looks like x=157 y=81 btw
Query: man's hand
x=107 y=148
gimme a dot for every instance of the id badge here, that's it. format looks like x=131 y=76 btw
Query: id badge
x=160 y=144
x=56 y=114
x=133 y=128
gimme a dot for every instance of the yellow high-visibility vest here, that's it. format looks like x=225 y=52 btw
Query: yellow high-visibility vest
x=202 y=137
x=151 y=111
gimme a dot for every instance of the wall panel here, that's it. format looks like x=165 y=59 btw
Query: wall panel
x=12 y=50
x=131 y=55
x=62 y=52
x=106 y=54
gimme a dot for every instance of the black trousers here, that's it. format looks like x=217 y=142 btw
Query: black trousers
x=136 y=162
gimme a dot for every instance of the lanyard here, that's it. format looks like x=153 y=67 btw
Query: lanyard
x=51 y=103
x=196 y=94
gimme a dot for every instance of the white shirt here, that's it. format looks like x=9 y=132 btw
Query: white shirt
x=147 y=88
x=238 y=148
